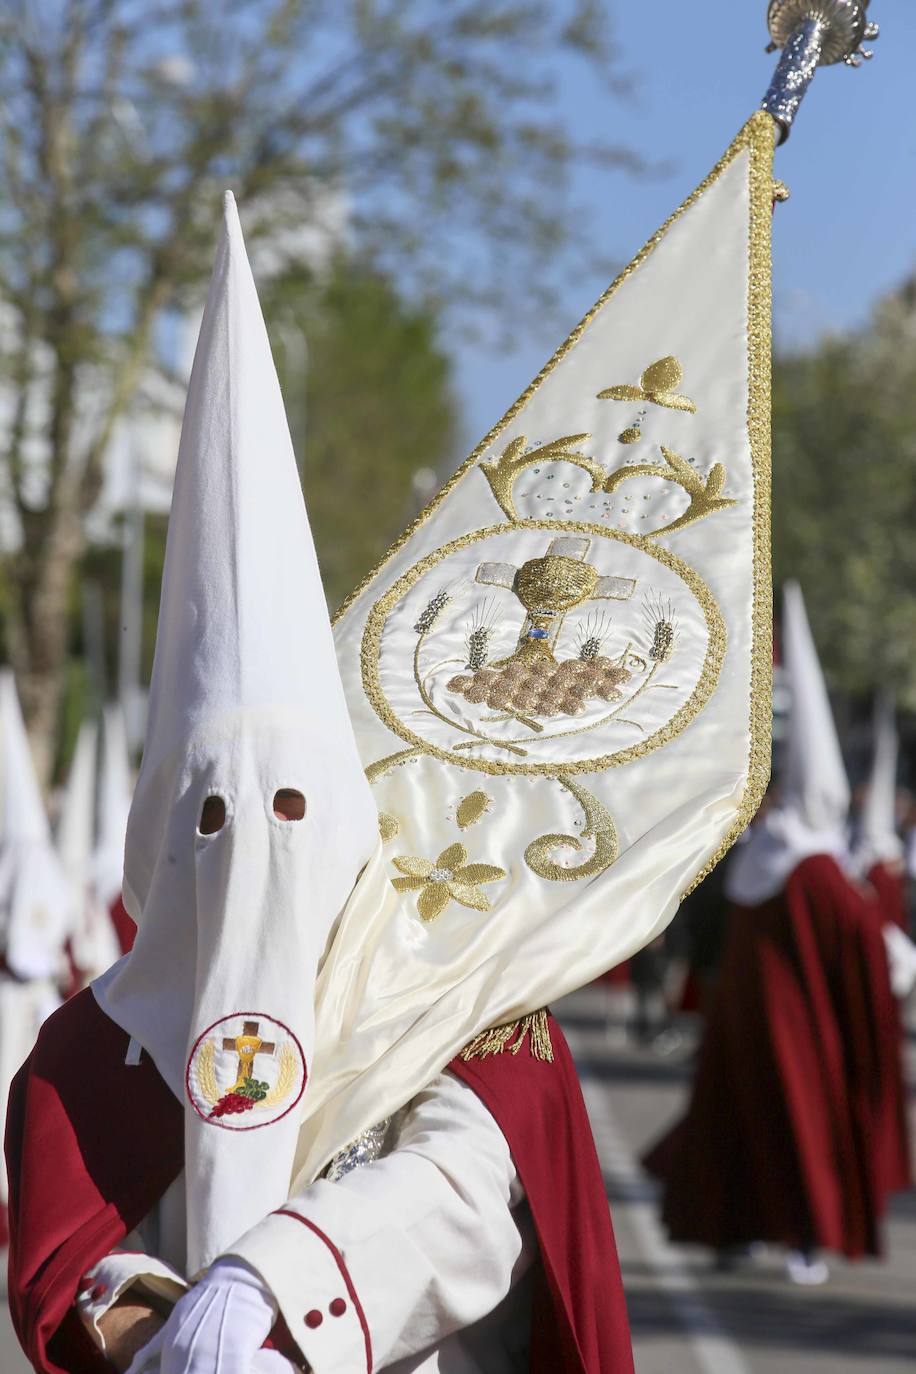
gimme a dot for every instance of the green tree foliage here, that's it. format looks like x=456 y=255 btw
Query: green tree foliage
x=368 y=393
x=436 y=124
x=844 y=446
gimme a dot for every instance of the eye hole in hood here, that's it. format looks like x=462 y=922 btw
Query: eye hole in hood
x=212 y=815
x=289 y=804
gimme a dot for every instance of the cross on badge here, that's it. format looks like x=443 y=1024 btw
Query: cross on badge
x=550 y=586
x=248 y=1046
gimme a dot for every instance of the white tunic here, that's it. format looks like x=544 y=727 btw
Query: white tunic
x=417 y=1262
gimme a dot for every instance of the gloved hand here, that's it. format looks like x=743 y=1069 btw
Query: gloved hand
x=147 y=1361
x=216 y=1328
x=272 y=1362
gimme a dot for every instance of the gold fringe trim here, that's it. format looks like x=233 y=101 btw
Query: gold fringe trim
x=511 y=1037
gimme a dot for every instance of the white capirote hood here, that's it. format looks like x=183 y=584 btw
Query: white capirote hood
x=810 y=816
x=36 y=905
x=94 y=943
x=114 y=794
x=877 y=840
x=245 y=700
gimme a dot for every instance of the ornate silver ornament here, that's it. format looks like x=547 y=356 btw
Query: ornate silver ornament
x=843 y=27
x=812 y=34
x=365 y=1149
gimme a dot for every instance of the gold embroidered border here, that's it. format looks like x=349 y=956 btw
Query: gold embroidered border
x=758 y=136
x=370 y=652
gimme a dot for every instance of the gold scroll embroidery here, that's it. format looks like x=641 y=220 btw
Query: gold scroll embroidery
x=598 y=825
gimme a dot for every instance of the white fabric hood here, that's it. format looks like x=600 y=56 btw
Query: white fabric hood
x=877 y=840
x=94 y=942
x=114 y=793
x=245 y=700
x=36 y=905
x=810 y=815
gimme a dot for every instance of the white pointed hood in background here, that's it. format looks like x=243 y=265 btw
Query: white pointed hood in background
x=810 y=814
x=877 y=840
x=814 y=781
x=115 y=789
x=76 y=821
x=245 y=701
x=36 y=906
x=94 y=942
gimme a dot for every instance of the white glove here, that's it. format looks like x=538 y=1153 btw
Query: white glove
x=216 y=1328
x=147 y=1360
x=272 y=1362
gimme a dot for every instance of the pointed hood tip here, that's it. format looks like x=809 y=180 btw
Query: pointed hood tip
x=814 y=775
x=231 y=221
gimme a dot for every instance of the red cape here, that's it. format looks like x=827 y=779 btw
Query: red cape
x=93 y=1144
x=792 y=1134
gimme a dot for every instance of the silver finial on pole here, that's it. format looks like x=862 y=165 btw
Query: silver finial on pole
x=812 y=34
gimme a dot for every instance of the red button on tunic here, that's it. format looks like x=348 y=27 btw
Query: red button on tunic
x=313 y=1318
x=338 y=1307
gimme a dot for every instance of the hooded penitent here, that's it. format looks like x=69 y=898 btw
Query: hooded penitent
x=557 y=683
x=114 y=795
x=94 y=945
x=245 y=703
x=810 y=814
x=36 y=906
x=76 y=824
x=878 y=841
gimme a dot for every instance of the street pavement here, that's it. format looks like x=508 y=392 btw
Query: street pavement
x=686 y=1317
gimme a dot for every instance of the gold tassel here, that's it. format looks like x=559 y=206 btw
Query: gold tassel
x=500 y=1038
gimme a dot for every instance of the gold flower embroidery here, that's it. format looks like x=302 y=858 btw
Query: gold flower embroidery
x=450 y=878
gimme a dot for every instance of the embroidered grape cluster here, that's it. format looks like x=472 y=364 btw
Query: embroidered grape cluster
x=242 y=1098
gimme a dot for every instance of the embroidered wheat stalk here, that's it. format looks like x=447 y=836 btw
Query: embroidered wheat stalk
x=662 y=641
x=206 y=1073
x=661 y=622
x=285 y=1077
x=431 y=613
x=478 y=647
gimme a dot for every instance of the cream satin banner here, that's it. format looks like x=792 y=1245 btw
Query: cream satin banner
x=559 y=677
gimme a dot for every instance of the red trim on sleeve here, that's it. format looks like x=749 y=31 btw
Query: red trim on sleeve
x=344 y=1273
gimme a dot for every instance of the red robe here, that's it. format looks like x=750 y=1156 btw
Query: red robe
x=124 y=926
x=892 y=1133
x=92 y=1145
x=790 y=1133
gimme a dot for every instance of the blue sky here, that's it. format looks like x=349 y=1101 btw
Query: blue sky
x=847 y=235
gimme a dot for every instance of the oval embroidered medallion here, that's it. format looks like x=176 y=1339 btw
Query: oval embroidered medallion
x=246 y=1070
